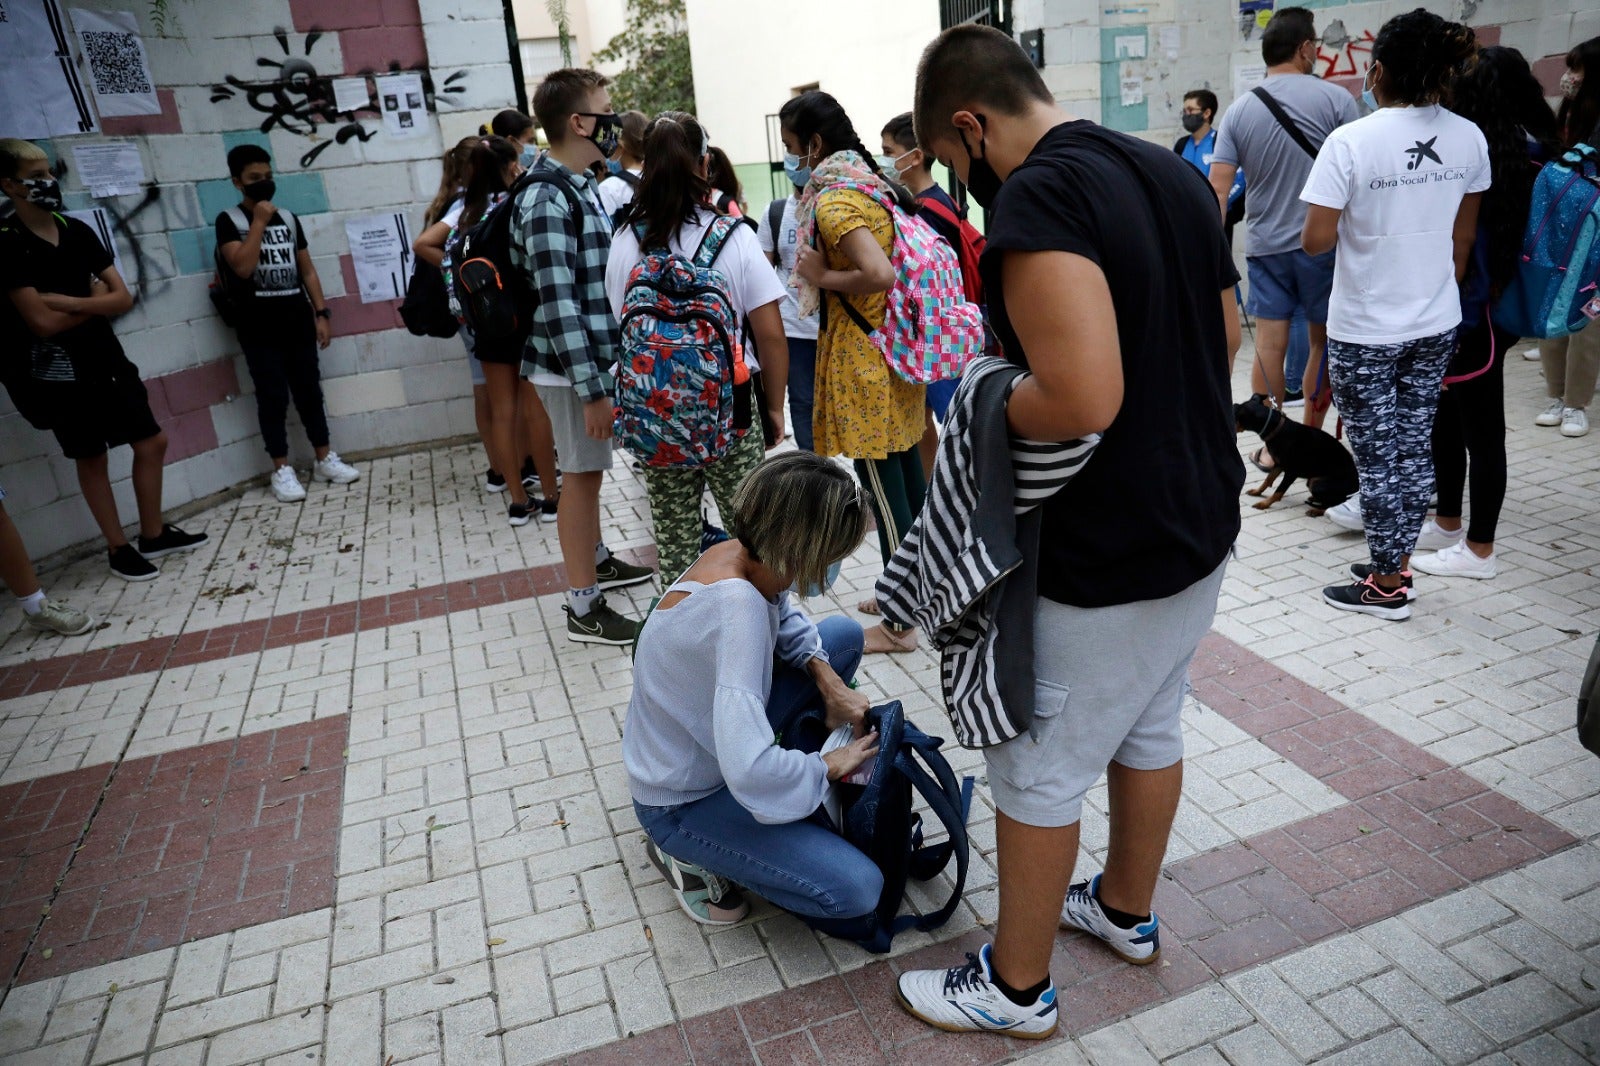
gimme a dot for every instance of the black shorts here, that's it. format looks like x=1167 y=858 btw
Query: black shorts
x=504 y=352
x=90 y=417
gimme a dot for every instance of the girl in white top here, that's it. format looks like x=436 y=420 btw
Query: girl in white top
x=1398 y=193
x=669 y=206
x=627 y=167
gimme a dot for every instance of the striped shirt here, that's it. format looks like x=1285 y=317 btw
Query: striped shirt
x=967 y=570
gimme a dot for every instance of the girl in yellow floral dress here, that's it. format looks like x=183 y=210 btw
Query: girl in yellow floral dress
x=864 y=411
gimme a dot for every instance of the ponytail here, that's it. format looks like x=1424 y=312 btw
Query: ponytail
x=671 y=189
x=454 y=175
x=491 y=156
x=818 y=114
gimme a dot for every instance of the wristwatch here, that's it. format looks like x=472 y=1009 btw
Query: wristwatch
x=323 y=312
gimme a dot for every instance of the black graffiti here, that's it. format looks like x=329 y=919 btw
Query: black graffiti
x=299 y=100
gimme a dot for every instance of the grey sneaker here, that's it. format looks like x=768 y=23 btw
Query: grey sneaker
x=601 y=625
x=704 y=896
x=57 y=617
x=616 y=574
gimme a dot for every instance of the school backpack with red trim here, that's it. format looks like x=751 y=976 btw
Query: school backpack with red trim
x=968 y=252
x=682 y=387
x=930 y=330
x=496 y=300
x=1556 y=289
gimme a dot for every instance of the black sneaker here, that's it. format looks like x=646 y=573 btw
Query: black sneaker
x=529 y=471
x=548 y=508
x=616 y=574
x=493 y=482
x=171 y=541
x=129 y=565
x=1362 y=571
x=601 y=625
x=517 y=513
x=1366 y=597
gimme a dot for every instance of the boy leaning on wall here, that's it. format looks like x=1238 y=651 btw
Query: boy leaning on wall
x=63 y=288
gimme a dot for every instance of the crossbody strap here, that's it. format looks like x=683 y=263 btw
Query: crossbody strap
x=1286 y=122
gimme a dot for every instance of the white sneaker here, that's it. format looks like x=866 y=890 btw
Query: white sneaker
x=57 y=617
x=1140 y=945
x=335 y=469
x=965 y=999
x=286 y=485
x=1347 y=515
x=1433 y=538
x=1531 y=354
x=1574 y=423
x=1551 y=415
x=1458 y=560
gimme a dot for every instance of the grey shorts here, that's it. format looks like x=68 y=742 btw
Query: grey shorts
x=576 y=451
x=1110 y=684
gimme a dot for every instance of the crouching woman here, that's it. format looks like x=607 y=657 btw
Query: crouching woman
x=725 y=662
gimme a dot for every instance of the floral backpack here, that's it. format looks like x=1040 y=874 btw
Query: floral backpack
x=930 y=329
x=682 y=389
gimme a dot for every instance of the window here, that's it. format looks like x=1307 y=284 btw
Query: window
x=801 y=90
x=540 y=56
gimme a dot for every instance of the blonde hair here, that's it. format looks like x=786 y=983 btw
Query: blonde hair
x=14 y=153
x=799 y=513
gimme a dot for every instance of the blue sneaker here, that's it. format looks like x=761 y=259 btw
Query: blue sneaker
x=1140 y=945
x=965 y=999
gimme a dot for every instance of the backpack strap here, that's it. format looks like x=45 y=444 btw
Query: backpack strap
x=713 y=241
x=775 y=221
x=1286 y=122
x=950 y=803
x=936 y=205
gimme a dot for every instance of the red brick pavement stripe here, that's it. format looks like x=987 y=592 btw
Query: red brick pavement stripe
x=302 y=627
x=186 y=844
x=1414 y=830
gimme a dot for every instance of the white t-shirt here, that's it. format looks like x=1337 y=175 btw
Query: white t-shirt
x=751 y=282
x=615 y=194
x=1399 y=176
x=788 y=243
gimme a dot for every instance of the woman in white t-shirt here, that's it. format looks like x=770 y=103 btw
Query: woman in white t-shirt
x=669 y=210
x=1398 y=193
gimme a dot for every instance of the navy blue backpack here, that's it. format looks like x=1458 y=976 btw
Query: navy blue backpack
x=878 y=819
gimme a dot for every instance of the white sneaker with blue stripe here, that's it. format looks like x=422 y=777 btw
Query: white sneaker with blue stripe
x=1140 y=945
x=965 y=999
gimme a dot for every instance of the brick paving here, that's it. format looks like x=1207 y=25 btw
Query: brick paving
x=1387 y=850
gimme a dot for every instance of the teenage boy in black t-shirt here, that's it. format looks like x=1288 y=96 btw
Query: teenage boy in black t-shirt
x=1107 y=277
x=63 y=285
x=282 y=319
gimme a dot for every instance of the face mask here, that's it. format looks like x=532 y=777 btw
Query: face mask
x=1193 y=122
x=607 y=132
x=891 y=167
x=1570 y=84
x=614 y=166
x=529 y=156
x=45 y=192
x=798 y=174
x=982 y=182
x=1367 y=95
x=260 y=191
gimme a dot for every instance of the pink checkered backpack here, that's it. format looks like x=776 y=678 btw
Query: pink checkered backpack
x=930 y=329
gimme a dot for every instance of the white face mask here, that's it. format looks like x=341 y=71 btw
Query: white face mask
x=891 y=166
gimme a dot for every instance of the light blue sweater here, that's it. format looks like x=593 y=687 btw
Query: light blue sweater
x=698 y=717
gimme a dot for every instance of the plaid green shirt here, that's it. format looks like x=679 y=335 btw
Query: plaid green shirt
x=574 y=331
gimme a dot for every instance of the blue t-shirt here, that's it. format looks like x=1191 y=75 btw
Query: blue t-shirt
x=1199 y=155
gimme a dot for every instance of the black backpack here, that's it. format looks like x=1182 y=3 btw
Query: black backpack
x=879 y=821
x=426 y=308
x=496 y=300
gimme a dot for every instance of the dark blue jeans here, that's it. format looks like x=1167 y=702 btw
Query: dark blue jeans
x=803 y=867
x=802 y=389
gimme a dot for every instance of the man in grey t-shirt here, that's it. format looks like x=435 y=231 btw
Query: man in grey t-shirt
x=1282 y=277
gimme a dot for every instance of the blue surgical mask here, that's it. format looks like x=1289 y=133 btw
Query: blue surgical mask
x=891 y=166
x=614 y=166
x=798 y=174
x=530 y=154
x=1367 y=96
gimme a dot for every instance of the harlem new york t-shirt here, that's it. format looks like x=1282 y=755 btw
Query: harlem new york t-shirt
x=278 y=301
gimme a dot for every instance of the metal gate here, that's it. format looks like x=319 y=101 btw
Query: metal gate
x=996 y=13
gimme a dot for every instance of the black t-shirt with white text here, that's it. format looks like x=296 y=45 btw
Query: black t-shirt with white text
x=88 y=352
x=1157 y=507
x=278 y=300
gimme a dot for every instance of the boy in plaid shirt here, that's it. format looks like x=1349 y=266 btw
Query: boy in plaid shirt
x=573 y=345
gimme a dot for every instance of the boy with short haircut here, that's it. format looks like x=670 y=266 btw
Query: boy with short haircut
x=65 y=287
x=281 y=318
x=575 y=341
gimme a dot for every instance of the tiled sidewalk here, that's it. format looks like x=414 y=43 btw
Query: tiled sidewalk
x=337 y=788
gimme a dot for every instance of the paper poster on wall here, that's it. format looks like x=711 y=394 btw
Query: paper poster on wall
x=98 y=220
x=109 y=168
x=350 y=94
x=41 y=94
x=1132 y=90
x=1169 y=38
x=400 y=99
x=1247 y=76
x=114 y=53
x=380 y=246
x=1131 y=47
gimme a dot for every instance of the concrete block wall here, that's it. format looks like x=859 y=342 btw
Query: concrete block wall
x=384 y=387
x=1083 y=71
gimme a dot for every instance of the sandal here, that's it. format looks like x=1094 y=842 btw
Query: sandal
x=869 y=606
x=702 y=895
x=881 y=640
x=1255 y=461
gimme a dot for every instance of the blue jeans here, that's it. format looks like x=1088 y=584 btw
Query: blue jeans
x=802 y=389
x=803 y=867
x=1299 y=354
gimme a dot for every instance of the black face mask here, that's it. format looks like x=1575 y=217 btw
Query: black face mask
x=607 y=132
x=982 y=182
x=1192 y=122
x=260 y=192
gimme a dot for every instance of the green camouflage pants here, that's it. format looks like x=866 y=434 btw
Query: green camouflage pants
x=675 y=502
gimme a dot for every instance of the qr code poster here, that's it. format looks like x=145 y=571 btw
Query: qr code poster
x=40 y=91
x=118 y=69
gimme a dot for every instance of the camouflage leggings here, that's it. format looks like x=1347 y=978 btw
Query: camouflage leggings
x=675 y=502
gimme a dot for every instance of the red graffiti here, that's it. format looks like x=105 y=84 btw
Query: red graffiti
x=1350 y=60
